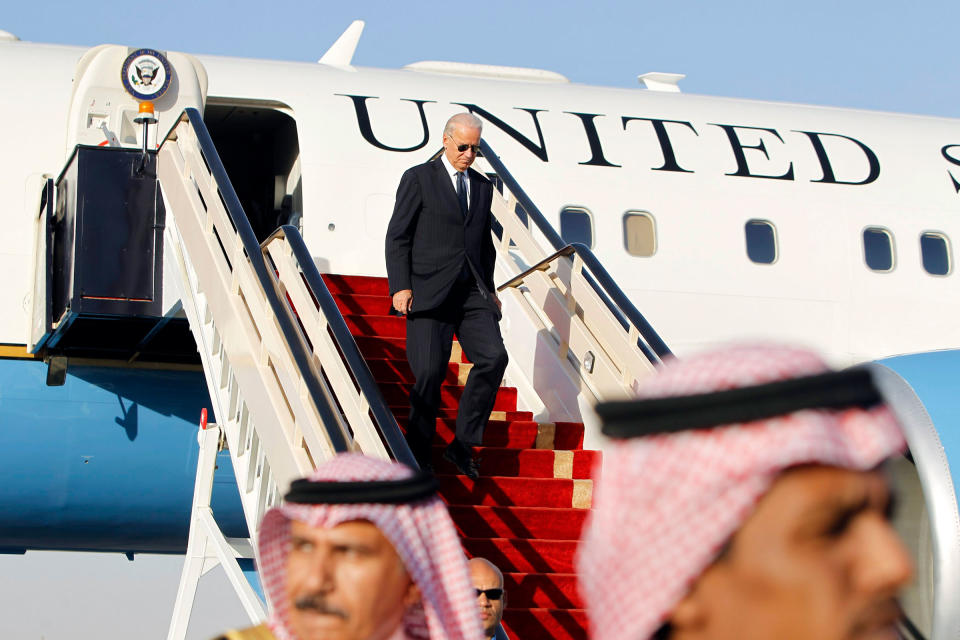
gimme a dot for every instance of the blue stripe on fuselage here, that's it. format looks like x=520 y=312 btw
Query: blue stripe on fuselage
x=105 y=462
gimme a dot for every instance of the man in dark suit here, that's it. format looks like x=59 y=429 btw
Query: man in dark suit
x=440 y=259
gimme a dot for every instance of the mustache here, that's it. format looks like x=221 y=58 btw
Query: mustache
x=883 y=612
x=318 y=604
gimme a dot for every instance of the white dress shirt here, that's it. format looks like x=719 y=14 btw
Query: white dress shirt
x=453 y=175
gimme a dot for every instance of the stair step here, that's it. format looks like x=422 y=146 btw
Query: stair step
x=367 y=285
x=556 y=624
x=383 y=326
x=351 y=303
x=376 y=347
x=519 y=522
x=385 y=370
x=395 y=348
x=513 y=434
x=568 y=435
x=525 y=555
x=525 y=463
x=542 y=591
x=397 y=394
x=516 y=432
x=520 y=492
x=400 y=412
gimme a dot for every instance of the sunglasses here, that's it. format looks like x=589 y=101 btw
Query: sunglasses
x=463 y=147
x=492 y=594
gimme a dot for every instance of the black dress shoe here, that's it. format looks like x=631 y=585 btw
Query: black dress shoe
x=462 y=459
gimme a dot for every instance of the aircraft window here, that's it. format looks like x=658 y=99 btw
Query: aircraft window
x=878 y=249
x=576 y=225
x=639 y=233
x=935 y=252
x=761 y=240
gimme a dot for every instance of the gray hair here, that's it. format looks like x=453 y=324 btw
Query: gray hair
x=465 y=119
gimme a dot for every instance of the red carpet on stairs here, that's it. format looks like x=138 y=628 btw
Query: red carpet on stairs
x=527 y=509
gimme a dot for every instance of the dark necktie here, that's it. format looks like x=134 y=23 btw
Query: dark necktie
x=462 y=192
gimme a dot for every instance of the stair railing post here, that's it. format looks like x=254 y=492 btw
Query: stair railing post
x=206 y=545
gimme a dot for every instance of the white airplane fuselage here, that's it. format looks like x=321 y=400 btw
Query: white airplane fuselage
x=701 y=167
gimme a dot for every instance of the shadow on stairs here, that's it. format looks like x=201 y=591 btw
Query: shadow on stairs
x=526 y=510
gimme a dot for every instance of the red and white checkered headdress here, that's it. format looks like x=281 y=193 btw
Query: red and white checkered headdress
x=421 y=532
x=667 y=503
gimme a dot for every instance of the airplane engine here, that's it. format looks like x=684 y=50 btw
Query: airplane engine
x=922 y=390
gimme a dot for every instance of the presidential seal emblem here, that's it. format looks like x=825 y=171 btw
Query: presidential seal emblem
x=146 y=74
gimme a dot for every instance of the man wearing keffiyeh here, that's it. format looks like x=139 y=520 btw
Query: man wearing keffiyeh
x=364 y=549
x=742 y=499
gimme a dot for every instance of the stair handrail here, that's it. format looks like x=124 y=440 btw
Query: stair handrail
x=590 y=260
x=383 y=420
x=607 y=288
x=238 y=218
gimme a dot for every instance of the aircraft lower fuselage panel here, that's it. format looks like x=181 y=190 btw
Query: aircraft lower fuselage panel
x=105 y=462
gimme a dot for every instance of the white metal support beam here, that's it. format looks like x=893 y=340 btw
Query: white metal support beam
x=207 y=547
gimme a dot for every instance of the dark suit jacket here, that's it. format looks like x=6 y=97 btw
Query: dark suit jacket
x=428 y=238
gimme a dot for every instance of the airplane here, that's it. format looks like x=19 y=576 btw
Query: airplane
x=718 y=218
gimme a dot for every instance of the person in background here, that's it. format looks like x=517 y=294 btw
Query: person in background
x=491 y=596
x=743 y=499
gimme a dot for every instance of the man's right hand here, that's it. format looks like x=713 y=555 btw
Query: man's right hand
x=402 y=301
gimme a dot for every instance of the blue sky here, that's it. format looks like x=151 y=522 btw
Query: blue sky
x=874 y=55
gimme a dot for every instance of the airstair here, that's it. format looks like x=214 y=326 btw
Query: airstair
x=300 y=366
x=286 y=380
x=290 y=385
x=289 y=358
